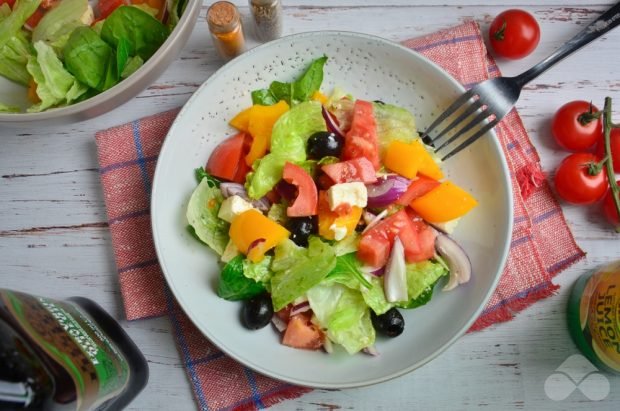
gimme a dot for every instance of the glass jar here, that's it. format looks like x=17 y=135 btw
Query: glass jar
x=226 y=29
x=267 y=16
x=65 y=355
x=594 y=316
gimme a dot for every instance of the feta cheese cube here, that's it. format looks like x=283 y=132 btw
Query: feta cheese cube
x=448 y=226
x=232 y=207
x=339 y=232
x=354 y=194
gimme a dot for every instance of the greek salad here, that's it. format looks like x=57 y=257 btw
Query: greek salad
x=66 y=51
x=330 y=215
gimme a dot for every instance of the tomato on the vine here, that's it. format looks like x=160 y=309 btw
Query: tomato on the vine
x=514 y=34
x=614 y=139
x=610 y=210
x=580 y=179
x=577 y=125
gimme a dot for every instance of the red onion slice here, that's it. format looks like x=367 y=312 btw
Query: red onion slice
x=375 y=220
x=331 y=123
x=386 y=190
x=456 y=258
x=236 y=189
x=371 y=350
x=395 y=283
x=300 y=308
x=279 y=323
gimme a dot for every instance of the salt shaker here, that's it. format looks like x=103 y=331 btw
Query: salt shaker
x=267 y=15
x=226 y=30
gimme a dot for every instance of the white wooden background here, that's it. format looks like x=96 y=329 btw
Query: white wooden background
x=54 y=239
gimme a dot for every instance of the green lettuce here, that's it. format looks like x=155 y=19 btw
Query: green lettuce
x=55 y=85
x=277 y=212
x=175 y=11
x=421 y=279
x=143 y=33
x=133 y=64
x=234 y=285
x=349 y=244
x=4 y=108
x=14 y=58
x=294 y=276
x=296 y=92
x=349 y=266
x=288 y=143
x=345 y=315
x=88 y=57
x=375 y=296
x=259 y=272
x=393 y=123
x=57 y=25
x=202 y=210
x=14 y=22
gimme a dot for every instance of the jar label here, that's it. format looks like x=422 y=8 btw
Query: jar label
x=96 y=366
x=600 y=315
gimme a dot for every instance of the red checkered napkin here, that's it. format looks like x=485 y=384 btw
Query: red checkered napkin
x=541 y=247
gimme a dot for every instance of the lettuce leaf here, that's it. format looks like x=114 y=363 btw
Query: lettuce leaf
x=143 y=33
x=234 y=285
x=259 y=272
x=349 y=266
x=87 y=57
x=55 y=85
x=13 y=23
x=421 y=279
x=14 y=58
x=345 y=315
x=309 y=268
x=4 y=108
x=393 y=123
x=296 y=92
x=288 y=143
x=202 y=209
x=57 y=25
x=175 y=11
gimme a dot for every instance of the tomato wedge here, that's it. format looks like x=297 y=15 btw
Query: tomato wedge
x=226 y=160
x=302 y=333
x=417 y=188
x=361 y=139
x=358 y=169
x=106 y=7
x=305 y=204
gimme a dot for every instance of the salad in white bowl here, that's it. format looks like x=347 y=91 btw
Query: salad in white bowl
x=329 y=215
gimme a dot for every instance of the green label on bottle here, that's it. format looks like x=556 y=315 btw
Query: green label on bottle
x=97 y=368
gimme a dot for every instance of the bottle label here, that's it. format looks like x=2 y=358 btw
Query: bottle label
x=69 y=336
x=600 y=315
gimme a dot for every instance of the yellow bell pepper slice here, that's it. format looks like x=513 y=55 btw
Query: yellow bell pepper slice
x=444 y=203
x=242 y=120
x=252 y=228
x=410 y=159
x=329 y=219
x=320 y=97
x=260 y=126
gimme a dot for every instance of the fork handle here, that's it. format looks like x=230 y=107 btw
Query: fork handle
x=606 y=21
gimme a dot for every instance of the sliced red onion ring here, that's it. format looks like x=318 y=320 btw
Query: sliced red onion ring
x=456 y=258
x=371 y=350
x=395 y=283
x=236 y=189
x=279 y=323
x=300 y=308
x=375 y=220
x=386 y=190
x=331 y=123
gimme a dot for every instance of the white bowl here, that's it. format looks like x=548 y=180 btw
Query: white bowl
x=369 y=68
x=15 y=94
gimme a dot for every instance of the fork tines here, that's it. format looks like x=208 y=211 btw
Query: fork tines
x=467 y=105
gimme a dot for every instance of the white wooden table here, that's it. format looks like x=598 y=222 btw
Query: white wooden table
x=54 y=239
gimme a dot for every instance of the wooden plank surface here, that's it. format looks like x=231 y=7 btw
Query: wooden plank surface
x=54 y=239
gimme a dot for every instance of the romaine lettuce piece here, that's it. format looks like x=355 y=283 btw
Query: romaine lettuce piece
x=375 y=296
x=288 y=143
x=234 y=285
x=345 y=315
x=55 y=85
x=310 y=267
x=143 y=32
x=421 y=278
x=393 y=123
x=4 y=108
x=57 y=25
x=87 y=57
x=133 y=64
x=349 y=266
x=175 y=11
x=14 y=58
x=259 y=271
x=13 y=23
x=202 y=209
x=349 y=244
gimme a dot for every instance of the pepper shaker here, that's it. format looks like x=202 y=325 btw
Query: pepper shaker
x=226 y=30
x=267 y=15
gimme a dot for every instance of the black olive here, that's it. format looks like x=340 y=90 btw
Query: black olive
x=324 y=143
x=257 y=312
x=390 y=323
x=301 y=228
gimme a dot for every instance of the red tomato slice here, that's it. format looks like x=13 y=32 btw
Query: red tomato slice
x=35 y=18
x=361 y=139
x=106 y=7
x=305 y=204
x=302 y=333
x=417 y=237
x=417 y=188
x=225 y=161
x=358 y=169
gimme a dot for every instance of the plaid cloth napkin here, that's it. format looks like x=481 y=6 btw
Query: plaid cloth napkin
x=541 y=247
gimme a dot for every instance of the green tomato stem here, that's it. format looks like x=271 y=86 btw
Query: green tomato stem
x=609 y=163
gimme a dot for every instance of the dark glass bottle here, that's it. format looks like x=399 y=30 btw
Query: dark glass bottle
x=65 y=355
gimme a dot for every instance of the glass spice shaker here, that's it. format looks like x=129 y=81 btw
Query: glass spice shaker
x=267 y=16
x=226 y=30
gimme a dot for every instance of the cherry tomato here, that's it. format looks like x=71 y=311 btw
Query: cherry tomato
x=610 y=211
x=614 y=138
x=575 y=126
x=514 y=34
x=575 y=181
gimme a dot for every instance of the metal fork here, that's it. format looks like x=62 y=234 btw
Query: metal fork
x=489 y=101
